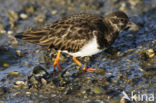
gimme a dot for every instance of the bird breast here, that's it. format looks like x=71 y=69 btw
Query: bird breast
x=88 y=49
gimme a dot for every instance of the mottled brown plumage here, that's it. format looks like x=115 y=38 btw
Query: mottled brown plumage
x=73 y=32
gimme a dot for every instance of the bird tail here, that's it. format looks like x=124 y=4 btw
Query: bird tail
x=32 y=36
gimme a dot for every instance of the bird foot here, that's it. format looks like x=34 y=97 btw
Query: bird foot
x=56 y=63
x=90 y=69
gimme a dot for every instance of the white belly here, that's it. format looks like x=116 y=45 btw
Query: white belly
x=87 y=50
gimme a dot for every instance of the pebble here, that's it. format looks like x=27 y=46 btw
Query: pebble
x=134 y=2
x=150 y=53
x=14 y=73
x=28 y=93
x=13 y=17
x=53 y=95
x=10 y=32
x=29 y=9
x=14 y=40
x=20 y=83
x=98 y=90
x=54 y=12
x=37 y=51
x=19 y=53
x=23 y=16
x=17 y=93
x=147 y=54
x=40 y=18
x=6 y=65
x=44 y=82
x=123 y=7
x=2 y=30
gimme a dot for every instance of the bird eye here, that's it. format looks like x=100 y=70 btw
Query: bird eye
x=122 y=20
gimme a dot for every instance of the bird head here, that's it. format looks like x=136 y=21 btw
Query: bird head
x=119 y=20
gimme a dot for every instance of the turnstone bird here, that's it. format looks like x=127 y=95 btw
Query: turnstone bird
x=79 y=35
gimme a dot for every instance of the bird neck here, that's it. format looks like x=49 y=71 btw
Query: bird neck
x=111 y=32
x=114 y=27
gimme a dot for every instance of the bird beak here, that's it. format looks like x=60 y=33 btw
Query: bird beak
x=130 y=24
x=133 y=26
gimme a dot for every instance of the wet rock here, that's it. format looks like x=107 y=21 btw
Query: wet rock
x=147 y=54
x=6 y=65
x=29 y=8
x=28 y=93
x=54 y=12
x=40 y=18
x=73 y=89
x=123 y=7
x=13 y=17
x=149 y=71
x=14 y=73
x=19 y=53
x=13 y=39
x=150 y=53
x=61 y=81
x=38 y=77
x=39 y=71
x=7 y=57
x=20 y=83
x=100 y=71
x=98 y=90
x=128 y=52
x=10 y=32
x=43 y=81
x=32 y=82
x=2 y=29
x=134 y=2
x=3 y=91
x=16 y=94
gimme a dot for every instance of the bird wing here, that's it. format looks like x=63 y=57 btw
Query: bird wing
x=69 y=34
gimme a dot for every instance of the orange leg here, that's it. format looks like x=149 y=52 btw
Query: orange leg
x=56 y=62
x=84 y=68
